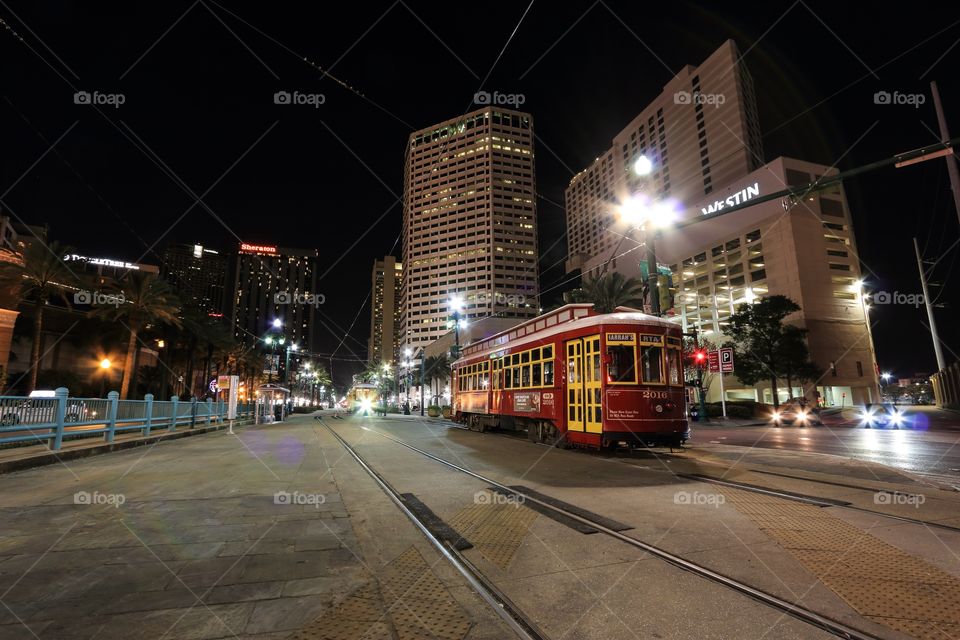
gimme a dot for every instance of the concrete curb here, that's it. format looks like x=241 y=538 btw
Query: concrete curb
x=52 y=457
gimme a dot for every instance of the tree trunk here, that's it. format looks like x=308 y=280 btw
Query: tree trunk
x=35 y=348
x=789 y=386
x=776 y=394
x=128 y=363
x=188 y=380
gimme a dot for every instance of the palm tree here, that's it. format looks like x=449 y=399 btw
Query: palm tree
x=436 y=368
x=41 y=275
x=145 y=299
x=607 y=292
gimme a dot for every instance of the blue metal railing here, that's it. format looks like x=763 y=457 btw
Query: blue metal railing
x=50 y=420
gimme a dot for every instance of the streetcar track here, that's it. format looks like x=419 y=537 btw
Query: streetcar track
x=505 y=609
x=801 y=613
x=779 y=493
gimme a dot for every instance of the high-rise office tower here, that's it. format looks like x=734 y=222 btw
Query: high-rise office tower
x=387 y=279
x=199 y=275
x=470 y=223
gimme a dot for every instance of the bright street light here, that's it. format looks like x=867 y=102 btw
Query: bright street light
x=105 y=363
x=886 y=376
x=643 y=166
x=639 y=210
x=277 y=323
x=456 y=303
x=408 y=352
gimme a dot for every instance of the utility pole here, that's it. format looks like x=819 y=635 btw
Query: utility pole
x=951 y=159
x=941 y=364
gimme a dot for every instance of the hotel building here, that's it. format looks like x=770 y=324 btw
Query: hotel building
x=700 y=133
x=470 y=223
x=803 y=249
x=271 y=282
x=387 y=280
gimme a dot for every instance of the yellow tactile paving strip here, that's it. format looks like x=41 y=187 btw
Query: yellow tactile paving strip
x=495 y=529
x=881 y=582
x=407 y=602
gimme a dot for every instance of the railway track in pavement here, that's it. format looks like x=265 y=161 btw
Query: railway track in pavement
x=520 y=621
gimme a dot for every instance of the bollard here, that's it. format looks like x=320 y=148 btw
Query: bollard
x=113 y=397
x=148 y=407
x=174 y=403
x=193 y=412
x=61 y=395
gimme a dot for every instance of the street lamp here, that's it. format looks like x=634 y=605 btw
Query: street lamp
x=286 y=361
x=459 y=322
x=640 y=212
x=858 y=288
x=104 y=365
x=643 y=166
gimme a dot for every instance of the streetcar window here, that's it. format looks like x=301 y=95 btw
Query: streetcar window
x=548 y=352
x=535 y=355
x=674 y=368
x=507 y=381
x=525 y=379
x=651 y=367
x=548 y=373
x=537 y=370
x=525 y=357
x=622 y=359
x=516 y=377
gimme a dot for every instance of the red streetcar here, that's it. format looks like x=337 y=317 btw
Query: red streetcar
x=577 y=377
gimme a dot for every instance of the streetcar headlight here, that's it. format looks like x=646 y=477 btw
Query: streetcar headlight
x=366 y=405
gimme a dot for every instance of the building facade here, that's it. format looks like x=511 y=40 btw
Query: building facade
x=470 y=223
x=199 y=275
x=387 y=281
x=270 y=283
x=701 y=132
x=702 y=136
x=805 y=250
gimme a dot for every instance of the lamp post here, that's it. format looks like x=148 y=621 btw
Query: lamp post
x=286 y=362
x=104 y=365
x=639 y=212
x=858 y=288
x=458 y=321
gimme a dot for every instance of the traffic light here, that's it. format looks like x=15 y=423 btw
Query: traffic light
x=700 y=357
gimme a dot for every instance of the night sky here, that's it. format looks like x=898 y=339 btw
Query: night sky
x=199 y=120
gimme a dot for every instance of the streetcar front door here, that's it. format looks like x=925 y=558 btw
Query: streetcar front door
x=584 y=412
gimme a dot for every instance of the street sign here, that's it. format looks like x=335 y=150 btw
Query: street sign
x=713 y=361
x=726 y=360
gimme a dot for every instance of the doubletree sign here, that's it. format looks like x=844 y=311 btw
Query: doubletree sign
x=733 y=200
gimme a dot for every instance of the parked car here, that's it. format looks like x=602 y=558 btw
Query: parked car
x=882 y=416
x=797 y=412
x=37 y=409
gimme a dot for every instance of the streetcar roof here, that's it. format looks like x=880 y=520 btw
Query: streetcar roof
x=596 y=320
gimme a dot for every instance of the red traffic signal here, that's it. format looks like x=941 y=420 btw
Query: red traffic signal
x=700 y=357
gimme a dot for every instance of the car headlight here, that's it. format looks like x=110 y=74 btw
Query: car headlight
x=897 y=418
x=802 y=416
x=775 y=416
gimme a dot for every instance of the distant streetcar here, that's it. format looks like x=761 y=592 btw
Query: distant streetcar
x=577 y=377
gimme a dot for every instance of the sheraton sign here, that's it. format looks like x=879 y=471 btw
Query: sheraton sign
x=748 y=193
